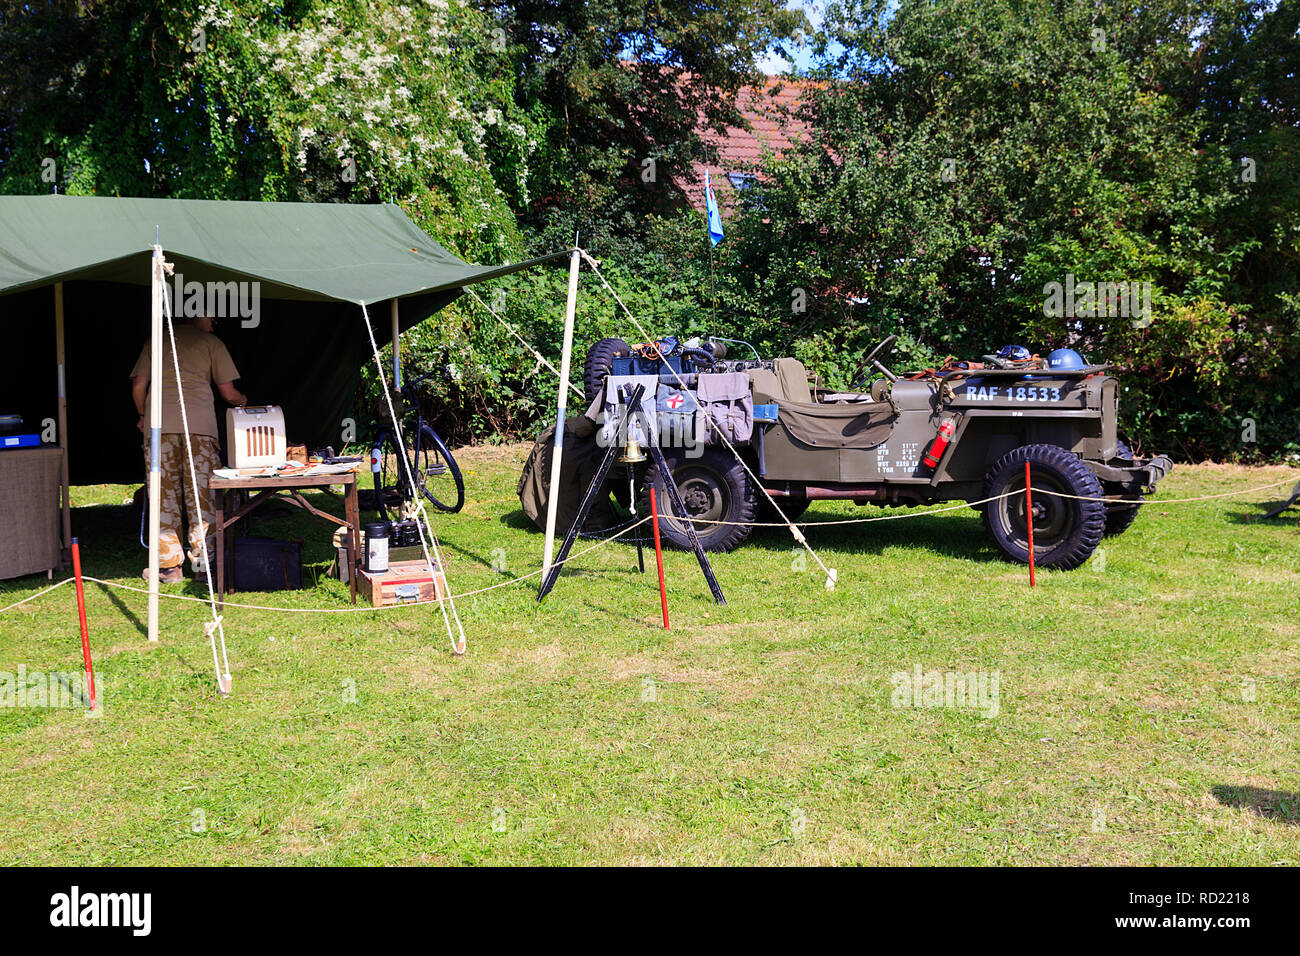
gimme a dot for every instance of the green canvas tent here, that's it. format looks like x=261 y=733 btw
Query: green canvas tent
x=311 y=252
x=86 y=261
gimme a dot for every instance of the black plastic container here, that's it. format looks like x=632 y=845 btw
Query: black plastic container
x=377 y=546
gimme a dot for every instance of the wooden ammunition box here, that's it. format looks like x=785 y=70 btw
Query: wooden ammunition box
x=405 y=582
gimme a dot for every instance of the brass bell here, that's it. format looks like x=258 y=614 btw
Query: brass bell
x=632 y=453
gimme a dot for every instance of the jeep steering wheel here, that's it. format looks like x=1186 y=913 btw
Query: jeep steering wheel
x=873 y=365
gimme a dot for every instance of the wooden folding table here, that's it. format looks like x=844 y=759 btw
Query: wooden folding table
x=286 y=488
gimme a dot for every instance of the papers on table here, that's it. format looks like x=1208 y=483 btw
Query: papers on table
x=290 y=470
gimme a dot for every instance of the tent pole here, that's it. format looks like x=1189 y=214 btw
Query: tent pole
x=155 y=436
x=552 y=499
x=63 y=420
x=397 y=354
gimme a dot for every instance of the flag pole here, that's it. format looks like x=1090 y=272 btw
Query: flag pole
x=710 y=210
x=713 y=294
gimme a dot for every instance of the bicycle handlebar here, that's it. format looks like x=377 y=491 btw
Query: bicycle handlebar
x=411 y=383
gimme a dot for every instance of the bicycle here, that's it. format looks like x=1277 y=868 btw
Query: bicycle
x=436 y=474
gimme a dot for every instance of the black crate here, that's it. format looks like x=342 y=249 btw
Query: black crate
x=264 y=564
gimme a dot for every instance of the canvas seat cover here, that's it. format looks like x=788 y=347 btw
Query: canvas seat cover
x=836 y=426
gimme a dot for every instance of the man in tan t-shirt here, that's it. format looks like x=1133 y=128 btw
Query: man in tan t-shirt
x=204 y=362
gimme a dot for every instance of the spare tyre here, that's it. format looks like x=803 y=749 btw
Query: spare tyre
x=600 y=362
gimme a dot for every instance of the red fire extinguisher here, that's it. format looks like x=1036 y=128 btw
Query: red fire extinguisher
x=940 y=443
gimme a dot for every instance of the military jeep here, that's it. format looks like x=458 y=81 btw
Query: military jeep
x=963 y=432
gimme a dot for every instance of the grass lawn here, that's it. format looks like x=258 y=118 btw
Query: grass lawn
x=1147 y=707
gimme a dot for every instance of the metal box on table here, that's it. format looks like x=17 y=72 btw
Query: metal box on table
x=255 y=437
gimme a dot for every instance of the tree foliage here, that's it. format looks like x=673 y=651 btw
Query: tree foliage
x=625 y=83
x=964 y=156
x=315 y=100
x=962 y=160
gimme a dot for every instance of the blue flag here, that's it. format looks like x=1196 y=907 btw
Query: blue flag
x=715 y=218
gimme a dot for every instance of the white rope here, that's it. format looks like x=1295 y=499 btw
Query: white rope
x=348 y=610
x=1166 y=501
x=1006 y=494
x=214 y=631
x=33 y=597
x=457 y=647
x=831 y=573
x=522 y=341
x=504 y=584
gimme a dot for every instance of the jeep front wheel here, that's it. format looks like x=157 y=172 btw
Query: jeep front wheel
x=1119 y=517
x=1066 y=529
x=714 y=487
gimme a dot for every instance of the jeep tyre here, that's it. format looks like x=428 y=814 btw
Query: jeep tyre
x=1066 y=530
x=1119 y=517
x=600 y=361
x=714 y=486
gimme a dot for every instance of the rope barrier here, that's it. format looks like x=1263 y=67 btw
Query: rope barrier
x=33 y=597
x=626 y=530
x=338 y=610
x=1006 y=494
x=1168 y=501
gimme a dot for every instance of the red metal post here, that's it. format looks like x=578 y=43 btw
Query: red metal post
x=81 y=614
x=659 y=556
x=1029 y=523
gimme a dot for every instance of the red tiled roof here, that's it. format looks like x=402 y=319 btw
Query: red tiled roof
x=773 y=128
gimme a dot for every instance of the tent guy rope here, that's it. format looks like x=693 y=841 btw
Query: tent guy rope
x=214 y=630
x=423 y=525
x=522 y=341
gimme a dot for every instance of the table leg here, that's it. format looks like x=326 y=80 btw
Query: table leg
x=353 y=513
x=220 y=570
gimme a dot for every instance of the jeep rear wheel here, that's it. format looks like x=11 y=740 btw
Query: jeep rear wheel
x=1066 y=529
x=714 y=487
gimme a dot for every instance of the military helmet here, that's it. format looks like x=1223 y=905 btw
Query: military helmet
x=1065 y=359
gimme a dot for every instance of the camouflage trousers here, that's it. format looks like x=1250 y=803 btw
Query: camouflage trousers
x=176 y=488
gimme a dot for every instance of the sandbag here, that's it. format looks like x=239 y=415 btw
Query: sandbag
x=578 y=466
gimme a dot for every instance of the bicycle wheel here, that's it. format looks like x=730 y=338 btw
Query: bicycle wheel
x=390 y=480
x=437 y=475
